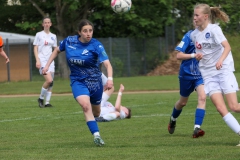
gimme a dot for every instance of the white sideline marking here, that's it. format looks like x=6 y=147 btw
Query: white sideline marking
x=56 y=117
x=42 y=117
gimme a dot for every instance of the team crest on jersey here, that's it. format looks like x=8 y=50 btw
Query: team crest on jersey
x=52 y=38
x=207 y=35
x=104 y=53
x=85 y=52
x=181 y=44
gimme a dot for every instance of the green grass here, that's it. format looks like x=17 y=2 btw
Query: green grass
x=63 y=86
x=28 y=132
x=143 y=83
x=60 y=133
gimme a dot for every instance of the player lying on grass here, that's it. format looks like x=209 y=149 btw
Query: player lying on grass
x=110 y=112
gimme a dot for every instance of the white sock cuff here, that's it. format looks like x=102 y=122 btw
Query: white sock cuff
x=105 y=97
x=232 y=123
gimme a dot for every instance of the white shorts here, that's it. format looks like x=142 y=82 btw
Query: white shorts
x=222 y=83
x=50 y=69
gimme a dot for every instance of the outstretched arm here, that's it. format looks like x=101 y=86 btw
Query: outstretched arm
x=119 y=98
x=108 y=66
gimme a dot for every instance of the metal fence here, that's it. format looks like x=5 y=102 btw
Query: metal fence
x=128 y=56
x=135 y=57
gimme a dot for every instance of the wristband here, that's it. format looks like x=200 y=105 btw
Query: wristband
x=110 y=78
x=119 y=93
x=192 y=55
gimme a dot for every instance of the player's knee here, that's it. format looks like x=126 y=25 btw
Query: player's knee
x=85 y=108
x=182 y=104
x=202 y=99
x=235 y=107
x=51 y=84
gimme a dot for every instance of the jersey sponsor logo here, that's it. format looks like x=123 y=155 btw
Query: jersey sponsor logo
x=76 y=61
x=198 y=45
x=181 y=44
x=206 y=45
x=72 y=47
x=45 y=43
x=207 y=35
x=85 y=52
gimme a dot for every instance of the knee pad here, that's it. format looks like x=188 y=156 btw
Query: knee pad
x=51 y=84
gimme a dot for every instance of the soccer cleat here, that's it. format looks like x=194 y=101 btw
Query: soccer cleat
x=171 y=126
x=100 y=119
x=40 y=103
x=198 y=132
x=48 y=105
x=98 y=141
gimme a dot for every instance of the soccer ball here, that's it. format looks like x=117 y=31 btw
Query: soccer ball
x=121 y=6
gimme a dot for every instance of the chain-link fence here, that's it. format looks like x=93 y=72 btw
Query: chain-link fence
x=128 y=56
x=135 y=57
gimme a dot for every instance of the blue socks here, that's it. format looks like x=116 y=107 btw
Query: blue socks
x=175 y=112
x=199 y=115
x=93 y=127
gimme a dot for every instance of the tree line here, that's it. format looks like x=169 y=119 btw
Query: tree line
x=147 y=18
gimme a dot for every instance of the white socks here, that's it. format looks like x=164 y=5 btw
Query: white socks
x=48 y=97
x=43 y=93
x=232 y=122
x=196 y=126
x=96 y=134
x=105 y=97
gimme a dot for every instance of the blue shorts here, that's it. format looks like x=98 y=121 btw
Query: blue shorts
x=188 y=86
x=93 y=89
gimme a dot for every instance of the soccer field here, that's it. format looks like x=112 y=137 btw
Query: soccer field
x=29 y=132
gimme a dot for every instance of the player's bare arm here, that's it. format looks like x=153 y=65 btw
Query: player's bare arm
x=38 y=63
x=54 y=54
x=225 y=53
x=108 y=66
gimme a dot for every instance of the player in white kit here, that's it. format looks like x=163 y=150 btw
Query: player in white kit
x=44 y=43
x=216 y=65
x=110 y=112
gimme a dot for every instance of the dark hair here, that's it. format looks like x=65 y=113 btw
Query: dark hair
x=84 y=22
x=45 y=18
x=129 y=113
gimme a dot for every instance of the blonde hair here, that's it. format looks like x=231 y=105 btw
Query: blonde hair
x=214 y=13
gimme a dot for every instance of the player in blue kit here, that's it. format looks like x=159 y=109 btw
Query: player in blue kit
x=83 y=54
x=190 y=79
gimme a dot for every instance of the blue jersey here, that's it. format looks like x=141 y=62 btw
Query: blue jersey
x=83 y=58
x=189 y=69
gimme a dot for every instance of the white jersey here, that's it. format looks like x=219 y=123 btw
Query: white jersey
x=46 y=43
x=208 y=42
x=107 y=107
